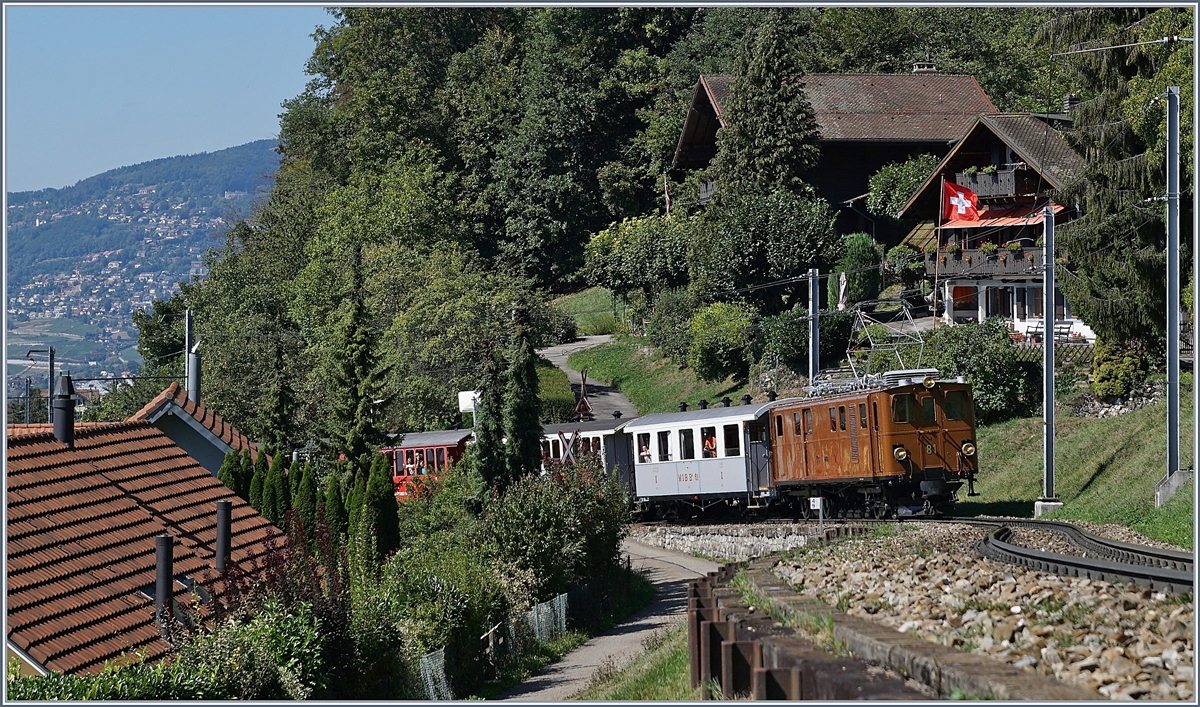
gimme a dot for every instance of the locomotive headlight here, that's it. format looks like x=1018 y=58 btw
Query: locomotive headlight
x=900 y=453
x=968 y=449
x=929 y=382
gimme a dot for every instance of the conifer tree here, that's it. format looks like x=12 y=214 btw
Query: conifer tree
x=256 y=490
x=279 y=405
x=246 y=473
x=295 y=476
x=335 y=508
x=489 y=426
x=283 y=493
x=358 y=374
x=306 y=502
x=262 y=463
x=770 y=134
x=230 y=470
x=522 y=413
x=379 y=513
x=354 y=503
x=270 y=498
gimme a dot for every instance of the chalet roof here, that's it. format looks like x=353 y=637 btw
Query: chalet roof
x=175 y=398
x=862 y=107
x=81 y=529
x=1034 y=141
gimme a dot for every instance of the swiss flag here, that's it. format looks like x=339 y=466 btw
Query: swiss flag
x=959 y=203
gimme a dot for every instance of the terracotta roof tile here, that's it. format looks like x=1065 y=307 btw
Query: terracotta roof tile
x=81 y=531
x=177 y=396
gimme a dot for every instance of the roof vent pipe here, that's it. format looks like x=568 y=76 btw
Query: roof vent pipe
x=616 y=414
x=224 y=529
x=63 y=404
x=682 y=407
x=725 y=401
x=924 y=67
x=771 y=396
x=1070 y=102
x=164 y=549
x=746 y=399
x=193 y=374
x=703 y=404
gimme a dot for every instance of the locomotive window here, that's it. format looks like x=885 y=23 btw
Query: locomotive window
x=779 y=425
x=927 y=416
x=687 y=445
x=862 y=415
x=643 y=445
x=733 y=443
x=875 y=412
x=664 y=446
x=708 y=442
x=903 y=408
x=833 y=419
x=842 y=416
x=796 y=423
x=956 y=405
x=808 y=420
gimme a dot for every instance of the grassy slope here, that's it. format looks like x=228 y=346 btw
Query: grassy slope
x=662 y=673
x=651 y=382
x=592 y=309
x=1105 y=471
x=554 y=390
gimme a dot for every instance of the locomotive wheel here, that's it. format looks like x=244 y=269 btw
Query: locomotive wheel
x=881 y=510
x=805 y=512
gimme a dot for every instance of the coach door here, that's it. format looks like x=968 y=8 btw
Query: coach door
x=929 y=433
x=758 y=454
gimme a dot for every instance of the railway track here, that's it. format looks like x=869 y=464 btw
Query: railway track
x=1155 y=568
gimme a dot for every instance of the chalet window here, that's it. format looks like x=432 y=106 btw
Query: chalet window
x=708 y=442
x=664 y=446
x=687 y=444
x=956 y=405
x=733 y=442
x=842 y=416
x=1035 y=302
x=643 y=445
x=862 y=415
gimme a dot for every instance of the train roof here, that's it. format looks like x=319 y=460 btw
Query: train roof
x=736 y=413
x=609 y=425
x=438 y=438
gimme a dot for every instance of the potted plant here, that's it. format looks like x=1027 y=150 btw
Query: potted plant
x=1013 y=246
x=989 y=248
x=953 y=248
x=990 y=169
x=971 y=170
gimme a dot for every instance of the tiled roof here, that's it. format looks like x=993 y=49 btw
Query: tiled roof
x=1039 y=144
x=891 y=107
x=81 y=529
x=206 y=416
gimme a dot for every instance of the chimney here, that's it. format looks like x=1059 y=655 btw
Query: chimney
x=725 y=401
x=682 y=407
x=193 y=374
x=1070 y=102
x=63 y=404
x=224 y=529
x=703 y=404
x=616 y=414
x=746 y=399
x=164 y=549
x=924 y=67
x=770 y=396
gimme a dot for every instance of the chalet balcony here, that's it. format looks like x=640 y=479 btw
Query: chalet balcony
x=982 y=264
x=1002 y=182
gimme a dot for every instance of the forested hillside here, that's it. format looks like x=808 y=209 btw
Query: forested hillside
x=446 y=170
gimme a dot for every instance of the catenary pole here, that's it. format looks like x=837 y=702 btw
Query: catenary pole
x=814 y=325
x=1172 y=279
x=1048 y=490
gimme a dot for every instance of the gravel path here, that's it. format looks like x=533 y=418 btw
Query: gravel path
x=604 y=399
x=927 y=580
x=670 y=572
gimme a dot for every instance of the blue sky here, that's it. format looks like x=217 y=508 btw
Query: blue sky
x=88 y=89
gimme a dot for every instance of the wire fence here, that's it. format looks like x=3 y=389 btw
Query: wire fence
x=1072 y=353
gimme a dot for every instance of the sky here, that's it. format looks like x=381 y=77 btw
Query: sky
x=89 y=89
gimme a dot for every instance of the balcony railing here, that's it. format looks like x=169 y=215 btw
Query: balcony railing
x=981 y=264
x=1002 y=182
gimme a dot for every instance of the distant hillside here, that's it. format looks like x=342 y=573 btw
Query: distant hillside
x=125 y=207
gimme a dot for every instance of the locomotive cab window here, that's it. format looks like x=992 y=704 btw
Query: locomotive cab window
x=733 y=441
x=927 y=414
x=904 y=408
x=808 y=420
x=687 y=445
x=833 y=419
x=664 y=446
x=643 y=445
x=862 y=415
x=956 y=405
x=708 y=442
x=779 y=425
x=796 y=424
x=842 y=417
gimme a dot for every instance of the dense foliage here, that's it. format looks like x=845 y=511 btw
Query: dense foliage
x=861 y=265
x=895 y=183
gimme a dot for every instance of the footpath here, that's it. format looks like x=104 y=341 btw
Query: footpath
x=670 y=572
x=604 y=399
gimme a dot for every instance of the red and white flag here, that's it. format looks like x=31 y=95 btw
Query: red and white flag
x=959 y=203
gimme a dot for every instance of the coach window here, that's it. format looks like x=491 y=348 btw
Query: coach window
x=779 y=426
x=833 y=419
x=643 y=444
x=733 y=441
x=956 y=405
x=545 y=448
x=708 y=442
x=796 y=423
x=687 y=445
x=808 y=420
x=557 y=453
x=664 y=446
x=902 y=408
x=927 y=416
x=862 y=415
x=842 y=416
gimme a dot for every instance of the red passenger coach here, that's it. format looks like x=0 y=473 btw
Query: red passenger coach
x=424 y=455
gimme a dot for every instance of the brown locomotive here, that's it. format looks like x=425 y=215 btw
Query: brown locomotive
x=905 y=447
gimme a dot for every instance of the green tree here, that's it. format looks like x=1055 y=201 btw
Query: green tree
x=230 y=471
x=335 y=508
x=279 y=405
x=489 y=427
x=769 y=137
x=283 y=495
x=639 y=255
x=522 y=413
x=246 y=474
x=722 y=339
x=257 y=482
x=379 y=512
x=896 y=182
x=306 y=505
x=270 y=498
x=861 y=263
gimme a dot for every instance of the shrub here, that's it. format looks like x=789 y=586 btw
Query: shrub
x=668 y=326
x=786 y=336
x=1118 y=369
x=906 y=264
x=894 y=183
x=721 y=340
x=1002 y=385
x=861 y=263
x=554 y=328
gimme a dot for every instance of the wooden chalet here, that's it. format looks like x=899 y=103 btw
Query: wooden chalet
x=865 y=120
x=991 y=267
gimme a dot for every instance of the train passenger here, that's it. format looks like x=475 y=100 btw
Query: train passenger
x=710 y=444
